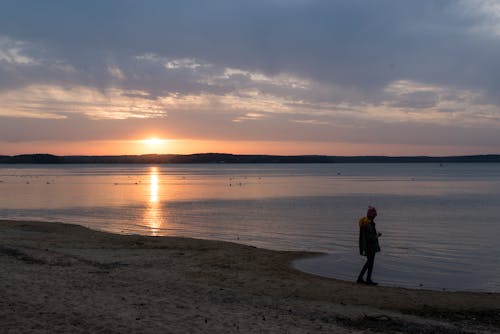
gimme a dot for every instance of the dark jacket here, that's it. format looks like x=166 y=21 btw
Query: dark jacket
x=368 y=239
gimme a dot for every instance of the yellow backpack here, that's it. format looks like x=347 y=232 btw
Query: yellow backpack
x=363 y=222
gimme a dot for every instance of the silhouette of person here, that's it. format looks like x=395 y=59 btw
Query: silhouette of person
x=368 y=244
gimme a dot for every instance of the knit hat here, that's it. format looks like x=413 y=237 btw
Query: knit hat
x=372 y=212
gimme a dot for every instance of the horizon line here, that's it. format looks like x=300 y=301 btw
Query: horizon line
x=253 y=154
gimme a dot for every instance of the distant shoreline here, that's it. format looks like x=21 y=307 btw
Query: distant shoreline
x=207 y=158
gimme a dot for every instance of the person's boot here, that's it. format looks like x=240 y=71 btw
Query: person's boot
x=360 y=280
x=370 y=282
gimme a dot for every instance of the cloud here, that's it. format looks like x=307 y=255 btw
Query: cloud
x=366 y=45
x=13 y=53
x=312 y=69
x=45 y=101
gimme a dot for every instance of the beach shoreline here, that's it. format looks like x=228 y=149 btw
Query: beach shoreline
x=67 y=278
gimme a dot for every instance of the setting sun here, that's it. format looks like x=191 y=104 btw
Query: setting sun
x=154 y=145
x=154 y=141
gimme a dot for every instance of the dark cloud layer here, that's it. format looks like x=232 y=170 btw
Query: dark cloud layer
x=365 y=44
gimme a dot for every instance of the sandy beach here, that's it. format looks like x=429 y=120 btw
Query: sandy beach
x=63 y=278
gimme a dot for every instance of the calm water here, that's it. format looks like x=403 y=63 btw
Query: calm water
x=439 y=223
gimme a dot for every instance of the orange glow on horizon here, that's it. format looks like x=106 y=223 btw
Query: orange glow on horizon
x=155 y=145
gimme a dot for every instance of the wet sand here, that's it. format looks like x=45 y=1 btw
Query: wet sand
x=62 y=278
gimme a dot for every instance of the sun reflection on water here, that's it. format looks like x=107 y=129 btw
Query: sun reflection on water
x=154 y=185
x=153 y=216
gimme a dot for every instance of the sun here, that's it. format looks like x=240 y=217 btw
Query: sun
x=154 y=141
x=154 y=145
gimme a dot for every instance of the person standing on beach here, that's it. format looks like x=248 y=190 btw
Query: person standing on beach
x=368 y=244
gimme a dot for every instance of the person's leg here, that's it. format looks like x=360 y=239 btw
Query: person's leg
x=362 y=273
x=370 y=262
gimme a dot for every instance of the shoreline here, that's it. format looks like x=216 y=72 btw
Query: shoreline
x=322 y=264
x=63 y=277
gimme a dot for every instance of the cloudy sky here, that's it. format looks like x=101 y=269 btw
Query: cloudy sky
x=261 y=76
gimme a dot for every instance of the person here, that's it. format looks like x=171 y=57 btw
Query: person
x=368 y=245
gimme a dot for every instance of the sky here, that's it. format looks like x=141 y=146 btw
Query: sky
x=284 y=77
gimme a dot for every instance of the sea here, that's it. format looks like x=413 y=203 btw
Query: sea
x=439 y=222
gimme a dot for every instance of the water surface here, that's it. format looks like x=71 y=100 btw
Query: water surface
x=438 y=222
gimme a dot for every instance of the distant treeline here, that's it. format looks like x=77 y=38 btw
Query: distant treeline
x=231 y=158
